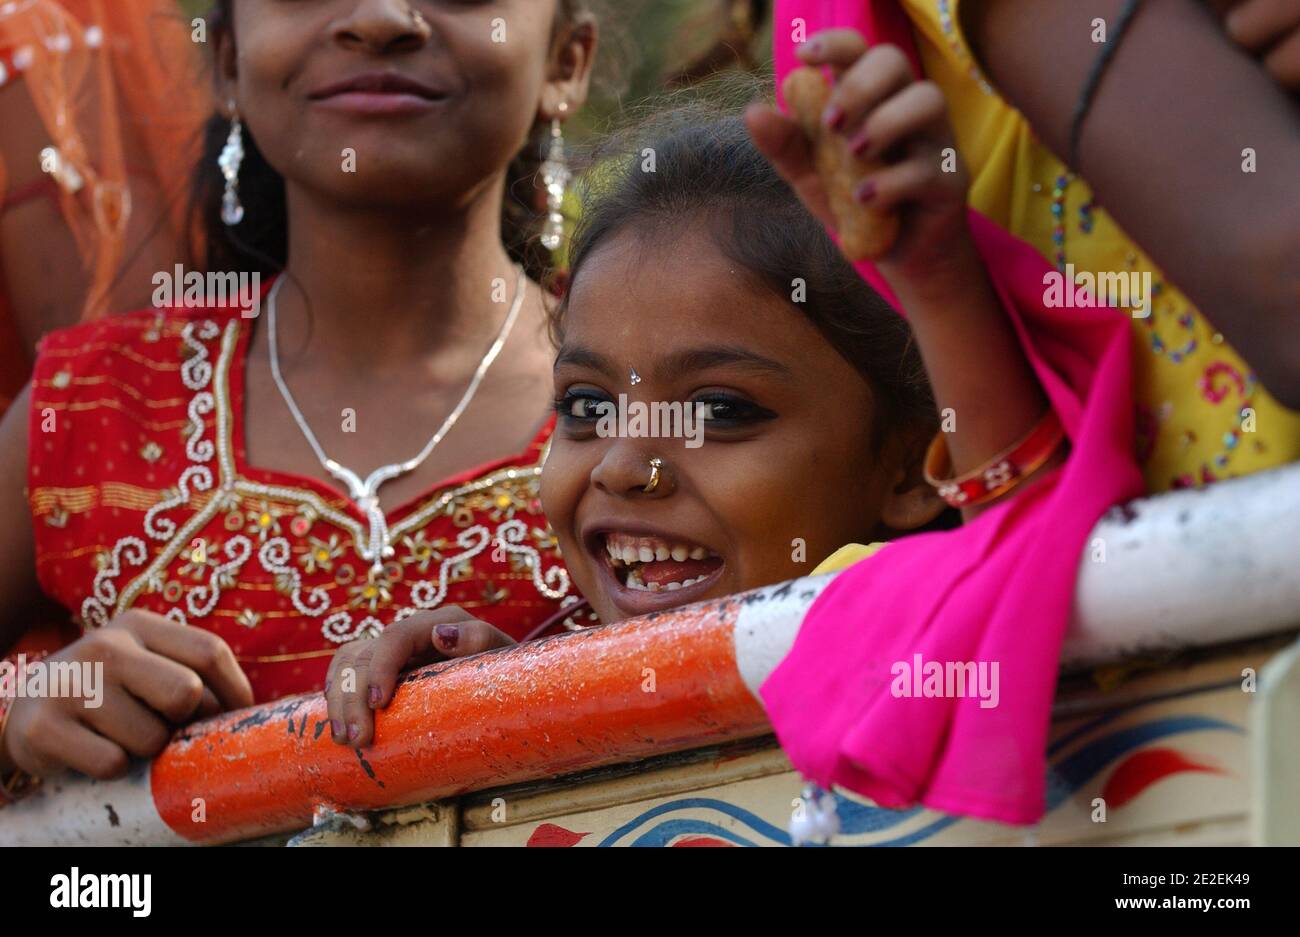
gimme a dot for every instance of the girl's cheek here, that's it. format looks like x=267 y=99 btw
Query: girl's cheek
x=561 y=488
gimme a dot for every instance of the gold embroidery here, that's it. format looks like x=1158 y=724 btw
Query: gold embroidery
x=126 y=351
x=113 y=382
x=106 y=494
x=286 y=658
x=255 y=508
x=319 y=554
x=111 y=404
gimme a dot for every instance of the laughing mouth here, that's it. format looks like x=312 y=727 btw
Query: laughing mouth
x=654 y=564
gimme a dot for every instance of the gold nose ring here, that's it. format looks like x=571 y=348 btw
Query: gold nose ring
x=656 y=472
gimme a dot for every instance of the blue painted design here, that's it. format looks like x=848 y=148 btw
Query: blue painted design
x=1069 y=774
x=1113 y=714
x=856 y=819
x=753 y=821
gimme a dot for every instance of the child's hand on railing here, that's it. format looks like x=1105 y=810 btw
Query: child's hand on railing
x=897 y=129
x=363 y=674
x=151 y=674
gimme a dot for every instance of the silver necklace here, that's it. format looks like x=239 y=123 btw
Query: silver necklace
x=365 y=492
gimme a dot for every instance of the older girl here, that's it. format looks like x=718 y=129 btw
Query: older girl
x=202 y=486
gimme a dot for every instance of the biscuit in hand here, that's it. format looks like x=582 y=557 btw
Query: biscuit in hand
x=864 y=232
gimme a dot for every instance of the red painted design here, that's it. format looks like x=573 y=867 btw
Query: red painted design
x=1145 y=768
x=548 y=834
x=702 y=841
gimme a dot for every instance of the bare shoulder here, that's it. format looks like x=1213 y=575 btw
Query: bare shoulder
x=18 y=587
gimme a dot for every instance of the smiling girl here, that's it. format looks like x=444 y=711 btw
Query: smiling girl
x=194 y=478
x=709 y=282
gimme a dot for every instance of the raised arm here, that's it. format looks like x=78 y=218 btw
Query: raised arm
x=1188 y=143
x=976 y=366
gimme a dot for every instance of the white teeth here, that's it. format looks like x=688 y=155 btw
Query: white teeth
x=698 y=553
x=612 y=551
x=662 y=553
x=645 y=555
x=672 y=586
x=679 y=553
x=655 y=587
x=629 y=555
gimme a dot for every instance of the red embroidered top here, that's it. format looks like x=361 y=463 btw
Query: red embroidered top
x=141 y=497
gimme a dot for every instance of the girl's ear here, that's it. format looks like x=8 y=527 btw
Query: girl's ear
x=225 y=74
x=570 y=72
x=912 y=502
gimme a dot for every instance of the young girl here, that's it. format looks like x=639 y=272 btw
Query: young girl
x=705 y=281
x=186 y=482
x=708 y=282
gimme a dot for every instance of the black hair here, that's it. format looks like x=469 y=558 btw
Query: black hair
x=707 y=168
x=261 y=241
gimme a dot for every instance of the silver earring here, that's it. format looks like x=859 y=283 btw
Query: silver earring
x=555 y=176
x=231 y=158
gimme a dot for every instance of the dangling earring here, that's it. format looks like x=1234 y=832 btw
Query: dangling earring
x=555 y=176
x=231 y=158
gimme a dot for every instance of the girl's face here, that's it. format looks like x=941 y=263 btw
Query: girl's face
x=786 y=472
x=399 y=101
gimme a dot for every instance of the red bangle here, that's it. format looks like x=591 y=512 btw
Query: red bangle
x=999 y=474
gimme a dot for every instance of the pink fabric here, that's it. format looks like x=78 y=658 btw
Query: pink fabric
x=997 y=590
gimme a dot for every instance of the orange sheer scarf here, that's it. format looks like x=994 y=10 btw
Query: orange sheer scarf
x=117 y=87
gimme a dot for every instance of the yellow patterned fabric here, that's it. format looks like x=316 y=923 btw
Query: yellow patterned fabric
x=1201 y=413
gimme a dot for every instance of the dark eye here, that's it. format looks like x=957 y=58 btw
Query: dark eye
x=582 y=406
x=723 y=410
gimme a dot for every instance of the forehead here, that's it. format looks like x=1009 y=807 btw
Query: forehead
x=649 y=293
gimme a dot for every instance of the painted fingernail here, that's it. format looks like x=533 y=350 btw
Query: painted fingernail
x=374 y=696
x=811 y=47
x=833 y=117
x=865 y=192
x=860 y=144
x=336 y=727
x=448 y=635
x=353 y=731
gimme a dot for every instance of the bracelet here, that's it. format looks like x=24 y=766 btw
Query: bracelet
x=999 y=474
x=1108 y=49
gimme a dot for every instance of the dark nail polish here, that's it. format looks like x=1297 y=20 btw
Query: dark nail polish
x=448 y=635
x=374 y=696
x=336 y=727
x=353 y=731
x=865 y=192
x=833 y=117
x=860 y=145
